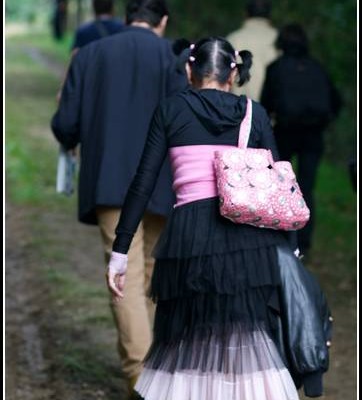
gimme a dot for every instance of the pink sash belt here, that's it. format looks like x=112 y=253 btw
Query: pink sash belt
x=193 y=172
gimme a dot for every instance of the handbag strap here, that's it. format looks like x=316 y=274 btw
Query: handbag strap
x=245 y=126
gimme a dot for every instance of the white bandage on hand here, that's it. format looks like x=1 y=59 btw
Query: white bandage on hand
x=118 y=263
x=116 y=274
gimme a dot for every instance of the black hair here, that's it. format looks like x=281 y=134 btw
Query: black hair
x=179 y=45
x=259 y=8
x=293 y=40
x=103 y=6
x=149 y=11
x=215 y=57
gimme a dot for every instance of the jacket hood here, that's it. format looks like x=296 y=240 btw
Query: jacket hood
x=217 y=110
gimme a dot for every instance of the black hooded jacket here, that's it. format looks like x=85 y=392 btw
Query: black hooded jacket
x=192 y=117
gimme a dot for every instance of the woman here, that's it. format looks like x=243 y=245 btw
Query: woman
x=215 y=282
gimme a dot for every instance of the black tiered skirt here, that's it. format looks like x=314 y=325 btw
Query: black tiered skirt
x=214 y=283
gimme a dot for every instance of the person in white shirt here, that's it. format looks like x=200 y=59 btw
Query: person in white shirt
x=258 y=35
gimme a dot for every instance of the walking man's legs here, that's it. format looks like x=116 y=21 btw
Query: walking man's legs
x=132 y=315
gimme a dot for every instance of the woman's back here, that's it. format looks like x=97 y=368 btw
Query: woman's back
x=192 y=126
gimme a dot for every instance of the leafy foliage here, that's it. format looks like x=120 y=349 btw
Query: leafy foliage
x=25 y=10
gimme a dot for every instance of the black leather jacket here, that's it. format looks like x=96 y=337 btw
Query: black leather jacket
x=305 y=324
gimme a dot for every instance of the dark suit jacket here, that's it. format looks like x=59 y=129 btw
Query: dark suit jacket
x=111 y=91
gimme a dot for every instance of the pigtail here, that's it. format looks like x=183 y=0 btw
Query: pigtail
x=244 y=66
x=181 y=49
x=179 y=45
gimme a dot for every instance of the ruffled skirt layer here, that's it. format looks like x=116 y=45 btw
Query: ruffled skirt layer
x=215 y=284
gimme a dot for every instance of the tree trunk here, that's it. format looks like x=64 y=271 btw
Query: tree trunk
x=79 y=12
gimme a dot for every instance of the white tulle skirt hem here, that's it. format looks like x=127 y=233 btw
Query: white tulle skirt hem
x=272 y=384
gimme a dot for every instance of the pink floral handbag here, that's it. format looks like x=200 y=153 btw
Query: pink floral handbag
x=255 y=190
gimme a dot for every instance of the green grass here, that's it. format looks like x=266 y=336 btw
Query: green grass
x=58 y=50
x=81 y=366
x=336 y=207
x=75 y=294
x=31 y=150
x=334 y=254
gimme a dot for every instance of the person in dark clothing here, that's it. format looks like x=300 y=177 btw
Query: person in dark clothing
x=222 y=289
x=105 y=24
x=108 y=99
x=302 y=100
x=59 y=19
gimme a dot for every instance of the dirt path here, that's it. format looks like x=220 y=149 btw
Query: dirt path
x=28 y=370
x=36 y=329
x=60 y=339
x=53 y=66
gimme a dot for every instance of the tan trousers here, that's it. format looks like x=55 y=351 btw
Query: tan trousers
x=134 y=314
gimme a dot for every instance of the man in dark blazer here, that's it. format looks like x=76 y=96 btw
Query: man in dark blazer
x=111 y=91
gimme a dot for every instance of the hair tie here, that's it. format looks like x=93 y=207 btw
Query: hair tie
x=192 y=58
x=232 y=65
x=192 y=46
